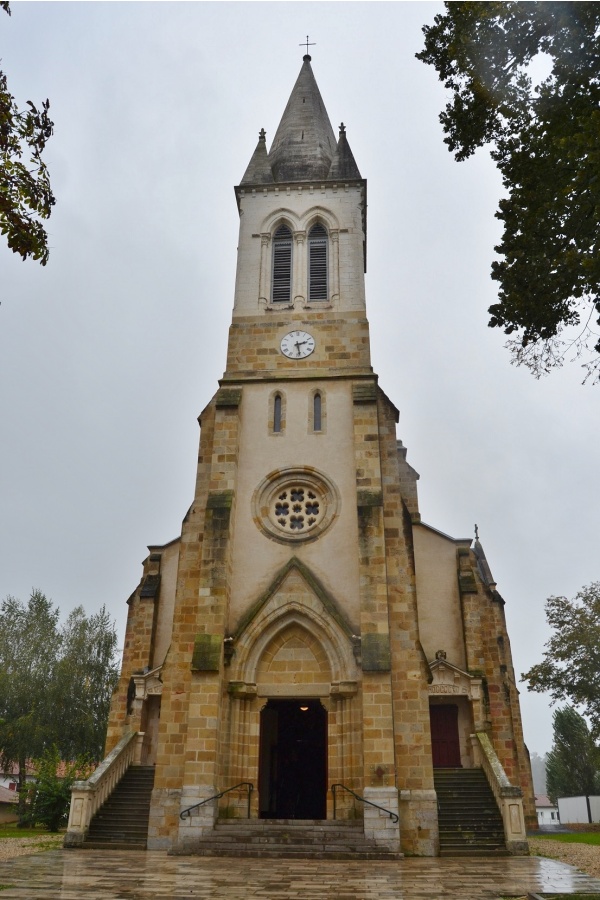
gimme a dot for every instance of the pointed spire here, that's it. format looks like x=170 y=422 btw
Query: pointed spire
x=259 y=170
x=343 y=165
x=484 y=569
x=304 y=143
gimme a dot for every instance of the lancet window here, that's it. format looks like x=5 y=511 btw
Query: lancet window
x=317 y=410
x=277 y=413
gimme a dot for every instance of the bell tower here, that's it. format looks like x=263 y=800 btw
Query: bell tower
x=307 y=634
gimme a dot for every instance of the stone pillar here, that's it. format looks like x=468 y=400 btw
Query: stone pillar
x=334 y=267
x=410 y=670
x=379 y=775
x=380 y=826
x=299 y=264
x=265 y=280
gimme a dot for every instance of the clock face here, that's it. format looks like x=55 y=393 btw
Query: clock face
x=297 y=344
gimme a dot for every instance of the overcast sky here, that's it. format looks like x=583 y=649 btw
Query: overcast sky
x=108 y=354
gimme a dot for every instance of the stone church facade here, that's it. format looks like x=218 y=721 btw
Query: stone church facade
x=308 y=629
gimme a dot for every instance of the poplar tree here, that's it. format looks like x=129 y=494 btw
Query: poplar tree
x=573 y=764
x=55 y=681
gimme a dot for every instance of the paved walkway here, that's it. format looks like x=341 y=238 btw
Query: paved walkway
x=130 y=875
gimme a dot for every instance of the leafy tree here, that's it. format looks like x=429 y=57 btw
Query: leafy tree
x=545 y=140
x=55 y=682
x=569 y=669
x=29 y=647
x=25 y=193
x=573 y=764
x=48 y=797
x=85 y=677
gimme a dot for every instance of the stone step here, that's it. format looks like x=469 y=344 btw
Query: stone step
x=291 y=823
x=320 y=829
x=291 y=839
x=338 y=843
x=122 y=822
x=275 y=852
x=469 y=819
x=114 y=845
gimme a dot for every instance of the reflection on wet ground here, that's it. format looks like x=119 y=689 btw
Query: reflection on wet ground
x=130 y=875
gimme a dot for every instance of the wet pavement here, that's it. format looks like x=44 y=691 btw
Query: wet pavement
x=130 y=875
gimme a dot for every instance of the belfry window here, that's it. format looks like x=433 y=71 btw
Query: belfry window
x=317 y=263
x=282 y=265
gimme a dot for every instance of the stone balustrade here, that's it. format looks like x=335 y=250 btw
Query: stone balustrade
x=508 y=797
x=88 y=796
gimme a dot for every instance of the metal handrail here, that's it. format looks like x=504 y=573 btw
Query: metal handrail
x=186 y=813
x=395 y=818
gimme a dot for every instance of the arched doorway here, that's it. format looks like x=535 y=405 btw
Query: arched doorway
x=293 y=760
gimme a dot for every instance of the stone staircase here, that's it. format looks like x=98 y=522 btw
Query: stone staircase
x=469 y=819
x=122 y=822
x=290 y=839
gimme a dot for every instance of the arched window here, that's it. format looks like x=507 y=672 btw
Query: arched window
x=277 y=413
x=317 y=406
x=282 y=265
x=317 y=263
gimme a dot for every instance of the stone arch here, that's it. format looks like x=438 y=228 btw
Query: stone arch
x=294 y=607
x=281 y=216
x=297 y=620
x=319 y=214
x=291 y=620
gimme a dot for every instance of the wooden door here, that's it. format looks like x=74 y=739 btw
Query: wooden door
x=445 y=743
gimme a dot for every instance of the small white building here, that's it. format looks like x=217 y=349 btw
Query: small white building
x=547 y=812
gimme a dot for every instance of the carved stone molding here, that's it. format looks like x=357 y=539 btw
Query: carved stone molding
x=449 y=680
x=148 y=684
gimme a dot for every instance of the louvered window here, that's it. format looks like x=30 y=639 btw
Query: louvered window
x=282 y=265
x=317 y=263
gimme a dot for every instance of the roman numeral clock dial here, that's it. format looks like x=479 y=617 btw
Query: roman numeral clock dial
x=297 y=344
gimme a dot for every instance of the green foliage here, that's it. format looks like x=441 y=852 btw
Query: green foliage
x=55 y=682
x=14 y=831
x=573 y=764
x=48 y=797
x=26 y=197
x=569 y=669
x=85 y=676
x=544 y=135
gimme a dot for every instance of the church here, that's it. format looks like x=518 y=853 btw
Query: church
x=309 y=651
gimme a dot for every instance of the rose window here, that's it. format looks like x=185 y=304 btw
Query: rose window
x=297 y=509
x=293 y=504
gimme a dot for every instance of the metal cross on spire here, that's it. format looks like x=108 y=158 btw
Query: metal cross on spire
x=307 y=44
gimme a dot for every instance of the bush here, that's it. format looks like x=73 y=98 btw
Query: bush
x=48 y=798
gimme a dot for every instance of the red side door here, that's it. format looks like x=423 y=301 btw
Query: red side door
x=445 y=744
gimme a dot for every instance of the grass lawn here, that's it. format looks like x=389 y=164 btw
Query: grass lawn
x=578 y=837
x=11 y=831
